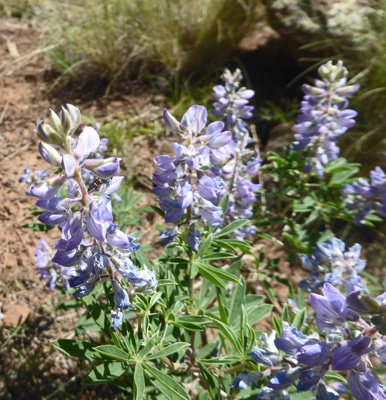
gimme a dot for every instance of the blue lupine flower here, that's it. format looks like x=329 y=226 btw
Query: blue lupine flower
x=116 y=317
x=193 y=237
x=168 y=235
x=284 y=379
x=349 y=354
x=364 y=196
x=331 y=309
x=272 y=394
x=232 y=102
x=344 y=266
x=50 y=270
x=121 y=298
x=266 y=357
x=89 y=239
x=324 y=116
x=244 y=380
x=325 y=393
x=364 y=386
x=30 y=177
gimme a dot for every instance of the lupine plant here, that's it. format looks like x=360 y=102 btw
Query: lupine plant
x=186 y=326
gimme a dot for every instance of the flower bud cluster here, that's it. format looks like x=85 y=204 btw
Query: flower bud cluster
x=89 y=238
x=231 y=104
x=324 y=116
x=331 y=263
x=303 y=361
x=364 y=196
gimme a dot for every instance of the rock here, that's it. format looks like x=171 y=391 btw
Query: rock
x=324 y=24
x=16 y=314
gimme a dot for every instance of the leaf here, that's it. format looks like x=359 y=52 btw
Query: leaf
x=104 y=373
x=167 y=381
x=257 y=313
x=114 y=353
x=211 y=277
x=204 y=246
x=97 y=314
x=229 y=334
x=210 y=381
x=236 y=302
x=222 y=305
x=299 y=319
x=173 y=348
x=217 y=256
x=233 y=226
x=219 y=272
x=139 y=382
x=159 y=211
x=224 y=203
x=187 y=325
x=75 y=348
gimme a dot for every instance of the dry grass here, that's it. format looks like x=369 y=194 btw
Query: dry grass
x=114 y=37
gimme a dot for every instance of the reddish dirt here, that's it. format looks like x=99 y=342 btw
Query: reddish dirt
x=30 y=369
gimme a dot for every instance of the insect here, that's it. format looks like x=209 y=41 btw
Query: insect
x=99 y=185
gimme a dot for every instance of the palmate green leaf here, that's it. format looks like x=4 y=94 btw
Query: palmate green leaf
x=224 y=203
x=299 y=319
x=167 y=381
x=233 y=226
x=210 y=381
x=233 y=245
x=217 y=256
x=222 y=360
x=236 y=301
x=115 y=353
x=75 y=348
x=220 y=273
x=210 y=276
x=159 y=211
x=229 y=334
x=139 y=382
x=105 y=373
x=173 y=348
x=204 y=246
x=255 y=314
x=189 y=326
x=98 y=314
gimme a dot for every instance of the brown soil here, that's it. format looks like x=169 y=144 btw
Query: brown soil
x=29 y=367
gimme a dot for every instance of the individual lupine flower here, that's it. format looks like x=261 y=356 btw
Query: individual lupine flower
x=116 y=317
x=325 y=393
x=343 y=266
x=364 y=196
x=244 y=380
x=168 y=235
x=348 y=355
x=268 y=353
x=50 y=270
x=324 y=116
x=272 y=394
x=331 y=309
x=364 y=386
x=308 y=351
x=285 y=378
x=231 y=102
